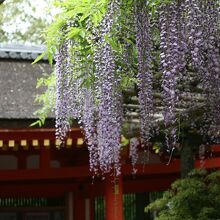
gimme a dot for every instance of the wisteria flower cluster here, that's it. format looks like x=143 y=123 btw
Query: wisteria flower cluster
x=145 y=75
x=186 y=47
x=61 y=108
x=100 y=116
x=189 y=43
x=109 y=98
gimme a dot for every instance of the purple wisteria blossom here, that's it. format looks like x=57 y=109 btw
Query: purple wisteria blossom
x=68 y=93
x=212 y=81
x=203 y=29
x=145 y=75
x=133 y=153
x=75 y=95
x=89 y=127
x=109 y=96
x=62 y=92
x=171 y=65
x=189 y=48
x=196 y=34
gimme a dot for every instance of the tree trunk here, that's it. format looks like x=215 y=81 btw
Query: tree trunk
x=186 y=159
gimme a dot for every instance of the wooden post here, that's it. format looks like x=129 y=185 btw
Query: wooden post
x=79 y=203
x=88 y=209
x=91 y=208
x=114 y=198
x=22 y=162
x=70 y=206
x=44 y=158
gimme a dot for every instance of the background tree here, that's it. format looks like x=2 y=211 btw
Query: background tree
x=24 y=21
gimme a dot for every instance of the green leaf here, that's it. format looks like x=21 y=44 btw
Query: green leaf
x=40 y=57
x=85 y=16
x=82 y=33
x=124 y=141
x=74 y=31
x=38 y=122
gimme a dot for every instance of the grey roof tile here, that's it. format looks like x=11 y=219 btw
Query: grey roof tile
x=25 y=52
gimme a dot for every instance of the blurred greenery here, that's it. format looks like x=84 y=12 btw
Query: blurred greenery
x=192 y=198
x=23 y=21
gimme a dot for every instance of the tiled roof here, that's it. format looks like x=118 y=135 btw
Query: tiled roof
x=24 y=52
x=18 y=79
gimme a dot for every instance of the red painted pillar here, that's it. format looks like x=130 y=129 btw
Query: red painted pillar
x=114 y=198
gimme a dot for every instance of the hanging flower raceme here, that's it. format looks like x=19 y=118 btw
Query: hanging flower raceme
x=203 y=41
x=74 y=101
x=170 y=65
x=68 y=93
x=133 y=153
x=212 y=80
x=75 y=95
x=89 y=126
x=195 y=30
x=145 y=76
x=109 y=96
x=62 y=92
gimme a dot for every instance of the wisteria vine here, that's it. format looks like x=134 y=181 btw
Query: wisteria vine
x=188 y=48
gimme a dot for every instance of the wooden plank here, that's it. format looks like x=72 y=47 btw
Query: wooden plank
x=19 y=190
x=148 y=169
x=44 y=174
x=215 y=148
x=149 y=184
x=40 y=134
x=83 y=171
x=22 y=190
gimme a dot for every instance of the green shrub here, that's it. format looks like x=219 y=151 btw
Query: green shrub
x=195 y=197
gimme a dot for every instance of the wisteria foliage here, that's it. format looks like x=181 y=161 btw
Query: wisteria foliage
x=177 y=40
